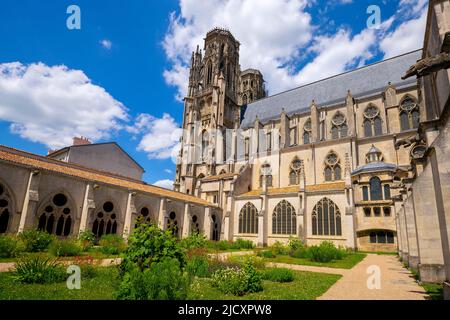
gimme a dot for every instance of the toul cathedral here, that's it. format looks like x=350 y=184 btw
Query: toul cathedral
x=360 y=159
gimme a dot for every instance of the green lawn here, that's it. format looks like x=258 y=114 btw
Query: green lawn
x=101 y=287
x=348 y=262
x=306 y=286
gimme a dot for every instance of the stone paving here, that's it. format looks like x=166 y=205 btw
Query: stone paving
x=397 y=283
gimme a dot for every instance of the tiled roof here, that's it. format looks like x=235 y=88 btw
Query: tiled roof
x=363 y=82
x=332 y=186
x=34 y=161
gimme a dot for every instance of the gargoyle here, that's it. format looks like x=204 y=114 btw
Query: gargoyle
x=408 y=141
x=428 y=65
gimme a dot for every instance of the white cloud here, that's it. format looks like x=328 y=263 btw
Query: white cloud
x=408 y=36
x=107 y=44
x=160 y=136
x=166 y=183
x=337 y=53
x=276 y=36
x=52 y=104
x=270 y=33
x=168 y=171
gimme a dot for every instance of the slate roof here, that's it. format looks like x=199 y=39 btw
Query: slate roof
x=375 y=166
x=362 y=82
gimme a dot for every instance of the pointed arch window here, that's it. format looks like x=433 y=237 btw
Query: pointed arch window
x=172 y=223
x=144 y=216
x=248 y=219
x=307 y=132
x=372 y=121
x=105 y=221
x=409 y=114
x=195 y=225
x=56 y=216
x=294 y=173
x=205 y=145
x=339 y=126
x=326 y=218
x=284 y=220
x=375 y=189
x=387 y=192
x=5 y=209
x=293 y=136
x=332 y=171
x=209 y=74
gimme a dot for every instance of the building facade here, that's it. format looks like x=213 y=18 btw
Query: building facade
x=65 y=199
x=316 y=162
x=422 y=202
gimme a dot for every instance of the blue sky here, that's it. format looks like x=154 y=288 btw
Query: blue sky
x=120 y=78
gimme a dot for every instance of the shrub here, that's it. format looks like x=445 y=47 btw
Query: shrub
x=39 y=270
x=237 y=281
x=325 y=252
x=279 y=248
x=255 y=261
x=216 y=264
x=195 y=240
x=148 y=244
x=10 y=247
x=242 y=244
x=111 y=244
x=164 y=280
x=219 y=245
x=198 y=265
x=300 y=253
x=35 y=240
x=65 y=248
x=279 y=275
x=266 y=254
x=295 y=244
x=86 y=239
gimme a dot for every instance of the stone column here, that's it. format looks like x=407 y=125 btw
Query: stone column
x=207 y=223
x=162 y=214
x=413 y=256
x=262 y=241
x=129 y=215
x=88 y=206
x=30 y=201
x=186 y=221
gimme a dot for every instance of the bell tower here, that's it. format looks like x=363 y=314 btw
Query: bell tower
x=211 y=107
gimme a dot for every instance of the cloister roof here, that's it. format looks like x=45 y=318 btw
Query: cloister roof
x=33 y=161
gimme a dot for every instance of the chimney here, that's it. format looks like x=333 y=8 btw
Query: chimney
x=80 y=141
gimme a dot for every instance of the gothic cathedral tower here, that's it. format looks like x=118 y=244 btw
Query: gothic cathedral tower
x=213 y=105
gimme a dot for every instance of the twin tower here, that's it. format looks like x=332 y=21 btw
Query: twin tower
x=217 y=94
